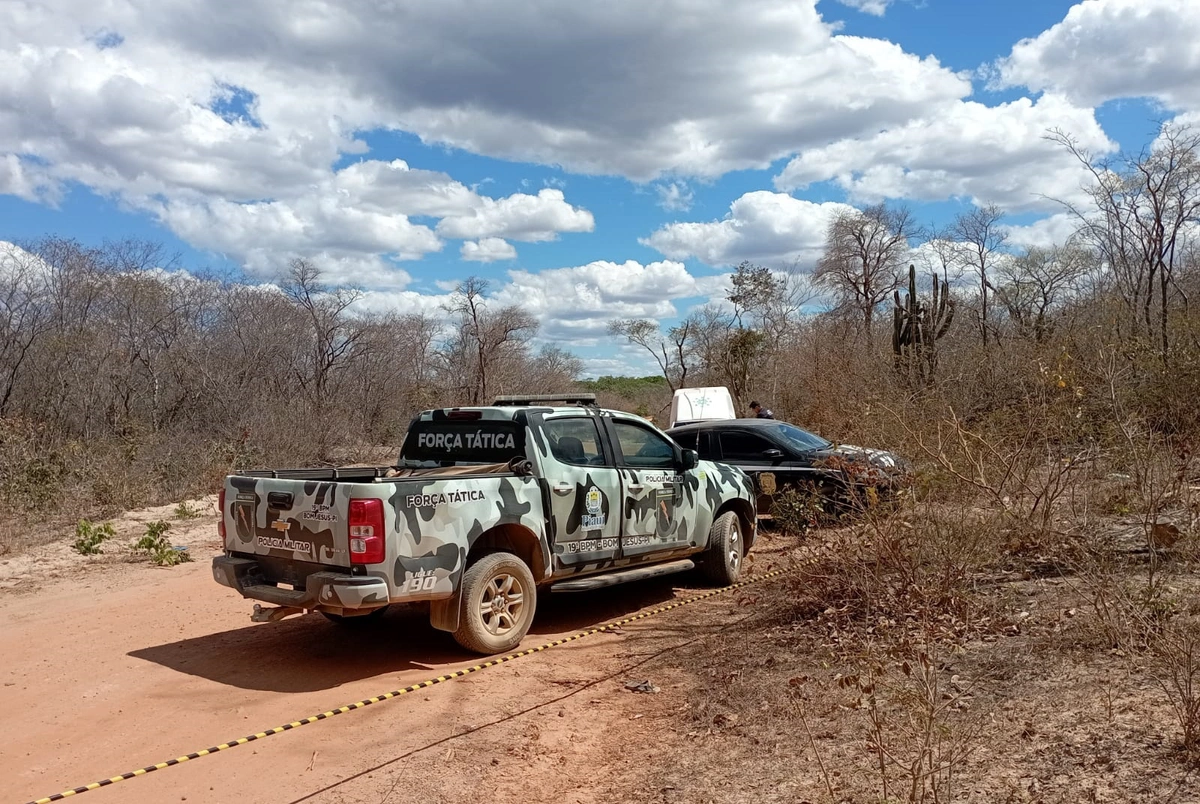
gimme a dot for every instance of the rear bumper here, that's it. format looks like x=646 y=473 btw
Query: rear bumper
x=323 y=590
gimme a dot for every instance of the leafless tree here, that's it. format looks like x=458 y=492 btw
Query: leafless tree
x=670 y=352
x=864 y=251
x=941 y=254
x=485 y=337
x=978 y=236
x=768 y=303
x=1145 y=209
x=1033 y=284
x=330 y=332
x=125 y=381
x=25 y=315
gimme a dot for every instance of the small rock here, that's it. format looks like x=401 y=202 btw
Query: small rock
x=640 y=686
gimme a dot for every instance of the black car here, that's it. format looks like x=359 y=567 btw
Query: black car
x=779 y=455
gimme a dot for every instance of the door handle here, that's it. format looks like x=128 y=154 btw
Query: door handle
x=563 y=488
x=635 y=487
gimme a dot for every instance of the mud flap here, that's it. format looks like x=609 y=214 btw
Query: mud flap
x=444 y=614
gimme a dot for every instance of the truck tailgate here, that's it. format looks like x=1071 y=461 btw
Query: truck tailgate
x=300 y=520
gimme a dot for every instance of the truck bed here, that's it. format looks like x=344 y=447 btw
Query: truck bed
x=377 y=474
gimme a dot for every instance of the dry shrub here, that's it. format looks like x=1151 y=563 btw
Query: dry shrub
x=920 y=720
x=795 y=511
x=1155 y=624
x=1140 y=584
x=898 y=574
x=33 y=465
x=1175 y=663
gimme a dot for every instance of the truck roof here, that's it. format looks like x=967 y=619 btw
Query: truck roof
x=511 y=407
x=525 y=400
x=503 y=412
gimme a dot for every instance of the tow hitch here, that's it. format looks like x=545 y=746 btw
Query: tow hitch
x=262 y=615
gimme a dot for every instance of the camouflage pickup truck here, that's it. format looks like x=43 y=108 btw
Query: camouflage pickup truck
x=487 y=509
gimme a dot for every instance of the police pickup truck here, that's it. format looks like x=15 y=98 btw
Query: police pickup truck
x=487 y=508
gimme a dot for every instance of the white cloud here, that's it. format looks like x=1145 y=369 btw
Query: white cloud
x=575 y=304
x=260 y=103
x=362 y=212
x=986 y=154
x=489 y=249
x=520 y=217
x=228 y=126
x=232 y=151
x=1053 y=230
x=25 y=180
x=675 y=196
x=1107 y=49
x=874 y=7
x=343 y=240
x=761 y=226
x=404 y=302
x=631 y=365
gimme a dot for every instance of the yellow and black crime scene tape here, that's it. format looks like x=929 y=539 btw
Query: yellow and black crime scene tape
x=397 y=693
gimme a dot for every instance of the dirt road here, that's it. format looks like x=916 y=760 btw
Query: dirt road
x=113 y=666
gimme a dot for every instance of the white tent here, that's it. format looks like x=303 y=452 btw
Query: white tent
x=701 y=404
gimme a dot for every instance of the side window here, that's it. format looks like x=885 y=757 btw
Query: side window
x=686 y=440
x=574 y=441
x=643 y=448
x=705 y=446
x=744 y=446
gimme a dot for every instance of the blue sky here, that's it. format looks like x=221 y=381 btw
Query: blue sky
x=592 y=163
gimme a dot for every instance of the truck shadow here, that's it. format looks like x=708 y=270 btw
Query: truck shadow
x=308 y=653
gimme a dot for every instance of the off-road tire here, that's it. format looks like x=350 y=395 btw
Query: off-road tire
x=356 y=619
x=493 y=580
x=722 y=561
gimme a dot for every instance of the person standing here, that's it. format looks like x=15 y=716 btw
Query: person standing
x=760 y=412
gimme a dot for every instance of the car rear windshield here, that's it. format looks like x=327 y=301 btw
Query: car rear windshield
x=457 y=443
x=803 y=439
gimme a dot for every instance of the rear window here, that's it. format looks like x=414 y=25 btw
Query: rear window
x=687 y=440
x=451 y=443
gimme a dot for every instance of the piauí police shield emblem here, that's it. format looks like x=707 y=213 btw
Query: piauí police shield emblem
x=592 y=501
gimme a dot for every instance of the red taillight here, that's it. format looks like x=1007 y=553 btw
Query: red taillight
x=221 y=516
x=366 y=531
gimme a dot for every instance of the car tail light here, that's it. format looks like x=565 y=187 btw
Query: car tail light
x=221 y=515
x=366 y=531
x=469 y=415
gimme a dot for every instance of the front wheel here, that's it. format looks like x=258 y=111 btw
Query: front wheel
x=722 y=562
x=498 y=601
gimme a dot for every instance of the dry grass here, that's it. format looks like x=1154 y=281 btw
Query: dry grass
x=800 y=706
x=1022 y=628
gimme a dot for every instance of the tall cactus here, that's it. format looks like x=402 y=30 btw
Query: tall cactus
x=916 y=327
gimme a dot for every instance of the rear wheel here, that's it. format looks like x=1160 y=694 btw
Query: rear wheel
x=356 y=619
x=498 y=601
x=722 y=562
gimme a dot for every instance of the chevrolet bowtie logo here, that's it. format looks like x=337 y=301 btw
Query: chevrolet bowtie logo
x=281 y=526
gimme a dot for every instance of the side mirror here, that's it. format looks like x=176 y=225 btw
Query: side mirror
x=773 y=454
x=690 y=459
